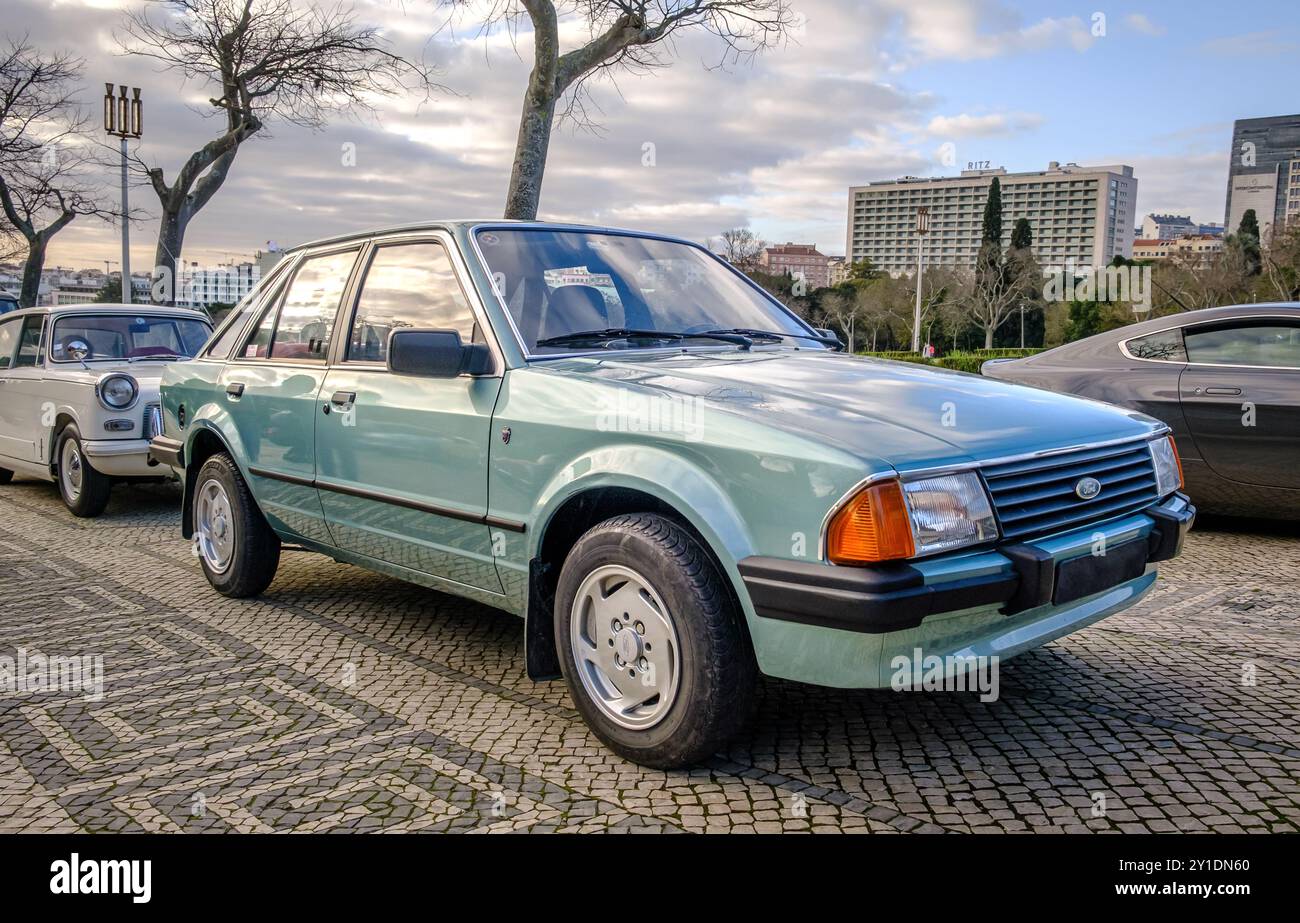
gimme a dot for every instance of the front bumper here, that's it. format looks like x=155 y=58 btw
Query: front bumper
x=169 y=452
x=896 y=597
x=121 y=457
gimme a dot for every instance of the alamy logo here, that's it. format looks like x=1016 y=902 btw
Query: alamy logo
x=1113 y=283
x=103 y=876
x=34 y=672
x=670 y=415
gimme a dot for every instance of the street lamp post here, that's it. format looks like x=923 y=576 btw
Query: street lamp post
x=124 y=119
x=922 y=228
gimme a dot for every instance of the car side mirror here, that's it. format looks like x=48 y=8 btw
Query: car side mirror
x=829 y=334
x=435 y=354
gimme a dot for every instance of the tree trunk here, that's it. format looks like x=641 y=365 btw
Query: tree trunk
x=171 y=236
x=988 y=337
x=530 y=157
x=32 y=271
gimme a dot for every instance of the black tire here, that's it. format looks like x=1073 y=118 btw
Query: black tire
x=88 y=497
x=256 y=552
x=6 y=475
x=717 y=675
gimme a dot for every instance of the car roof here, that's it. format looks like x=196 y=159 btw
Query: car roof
x=1204 y=315
x=106 y=308
x=466 y=224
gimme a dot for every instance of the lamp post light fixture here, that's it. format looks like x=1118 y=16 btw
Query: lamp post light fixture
x=922 y=228
x=124 y=119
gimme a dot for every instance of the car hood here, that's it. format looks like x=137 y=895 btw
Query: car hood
x=903 y=414
x=148 y=375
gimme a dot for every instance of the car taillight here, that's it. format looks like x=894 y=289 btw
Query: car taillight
x=872 y=526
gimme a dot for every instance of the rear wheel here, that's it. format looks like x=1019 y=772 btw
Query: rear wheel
x=6 y=475
x=238 y=550
x=84 y=490
x=651 y=642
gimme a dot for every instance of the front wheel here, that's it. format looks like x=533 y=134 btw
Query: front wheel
x=6 y=475
x=84 y=490
x=238 y=550
x=652 y=645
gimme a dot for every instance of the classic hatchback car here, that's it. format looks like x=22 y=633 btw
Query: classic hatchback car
x=79 y=394
x=673 y=479
x=1225 y=380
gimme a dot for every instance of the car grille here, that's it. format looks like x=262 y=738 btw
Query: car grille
x=153 y=424
x=1036 y=496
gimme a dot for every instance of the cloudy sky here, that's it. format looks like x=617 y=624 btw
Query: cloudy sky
x=865 y=90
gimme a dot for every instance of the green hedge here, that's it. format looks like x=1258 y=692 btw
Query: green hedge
x=961 y=362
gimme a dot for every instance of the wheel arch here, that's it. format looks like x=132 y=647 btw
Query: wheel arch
x=203 y=443
x=580 y=505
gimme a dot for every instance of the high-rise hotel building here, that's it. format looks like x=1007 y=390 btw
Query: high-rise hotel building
x=1264 y=172
x=1082 y=216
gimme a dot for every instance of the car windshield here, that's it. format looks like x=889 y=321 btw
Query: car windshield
x=126 y=336
x=622 y=289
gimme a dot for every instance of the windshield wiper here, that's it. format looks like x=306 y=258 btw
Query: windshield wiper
x=778 y=335
x=155 y=356
x=629 y=333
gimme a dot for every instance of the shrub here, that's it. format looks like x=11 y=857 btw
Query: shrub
x=961 y=362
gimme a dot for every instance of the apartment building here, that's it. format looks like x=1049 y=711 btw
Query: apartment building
x=799 y=260
x=225 y=283
x=1080 y=216
x=1203 y=246
x=1168 y=227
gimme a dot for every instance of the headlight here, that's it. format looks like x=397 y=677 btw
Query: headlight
x=892 y=519
x=950 y=511
x=1169 y=469
x=117 y=392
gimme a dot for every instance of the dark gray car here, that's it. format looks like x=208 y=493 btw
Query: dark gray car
x=1226 y=380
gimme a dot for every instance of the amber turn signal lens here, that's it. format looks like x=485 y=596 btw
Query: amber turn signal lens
x=872 y=526
x=1178 y=460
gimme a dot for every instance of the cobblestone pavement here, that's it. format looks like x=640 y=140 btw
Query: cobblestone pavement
x=342 y=700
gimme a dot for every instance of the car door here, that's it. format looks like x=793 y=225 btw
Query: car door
x=1241 y=397
x=22 y=414
x=271 y=384
x=12 y=444
x=402 y=460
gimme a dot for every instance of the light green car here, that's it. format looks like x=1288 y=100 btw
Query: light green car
x=675 y=481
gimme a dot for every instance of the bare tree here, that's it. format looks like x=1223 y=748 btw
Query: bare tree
x=999 y=289
x=741 y=248
x=632 y=35
x=847 y=310
x=1187 y=280
x=942 y=287
x=47 y=159
x=42 y=197
x=1282 y=264
x=264 y=60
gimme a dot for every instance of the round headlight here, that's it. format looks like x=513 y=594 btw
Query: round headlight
x=117 y=391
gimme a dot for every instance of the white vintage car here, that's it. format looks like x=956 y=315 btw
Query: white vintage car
x=79 y=393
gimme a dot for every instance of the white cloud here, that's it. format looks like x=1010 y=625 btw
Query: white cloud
x=966 y=125
x=1140 y=22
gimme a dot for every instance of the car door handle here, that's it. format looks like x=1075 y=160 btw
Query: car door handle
x=1222 y=390
x=343 y=398
x=235 y=389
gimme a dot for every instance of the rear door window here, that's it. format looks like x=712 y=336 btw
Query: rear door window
x=8 y=342
x=29 y=343
x=302 y=324
x=1267 y=344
